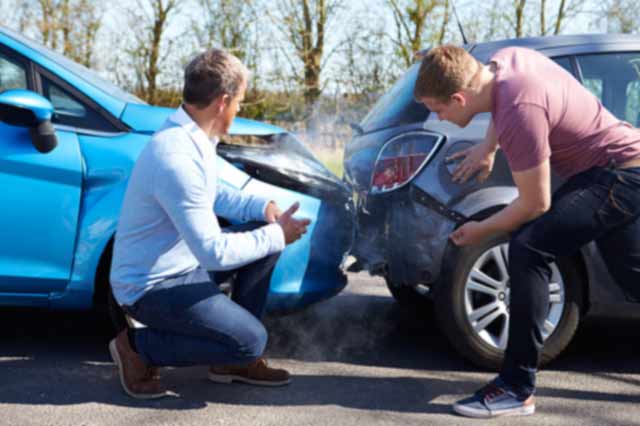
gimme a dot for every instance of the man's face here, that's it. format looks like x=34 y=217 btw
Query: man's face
x=231 y=108
x=456 y=110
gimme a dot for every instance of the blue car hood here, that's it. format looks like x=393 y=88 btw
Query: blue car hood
x=147 y=119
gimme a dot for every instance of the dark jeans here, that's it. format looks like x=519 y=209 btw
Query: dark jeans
x=189 y=321
x=600 y=204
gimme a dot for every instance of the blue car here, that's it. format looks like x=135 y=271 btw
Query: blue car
x=68 y=141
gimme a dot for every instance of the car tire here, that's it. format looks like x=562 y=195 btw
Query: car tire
x=116 y=314
x=452 y=305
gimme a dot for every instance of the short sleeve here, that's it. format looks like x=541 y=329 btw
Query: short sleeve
x=523 y=135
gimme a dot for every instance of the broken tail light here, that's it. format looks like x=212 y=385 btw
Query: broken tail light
x=401 y=159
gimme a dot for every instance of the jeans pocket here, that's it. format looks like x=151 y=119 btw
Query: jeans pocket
x=622 y=203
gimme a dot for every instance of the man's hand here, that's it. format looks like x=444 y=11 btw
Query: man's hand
x=272 y=212
x=470 y=233
x=292 y=228
x=477 y=159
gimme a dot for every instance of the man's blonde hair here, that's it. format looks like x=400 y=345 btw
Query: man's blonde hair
x=444 y=71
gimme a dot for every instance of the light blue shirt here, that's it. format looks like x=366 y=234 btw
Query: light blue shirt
x=167 y=225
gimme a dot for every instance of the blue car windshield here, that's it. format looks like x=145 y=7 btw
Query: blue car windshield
x=397 y=106
x=81 y=71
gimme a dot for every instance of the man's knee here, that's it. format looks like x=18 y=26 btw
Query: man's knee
x=252 y=340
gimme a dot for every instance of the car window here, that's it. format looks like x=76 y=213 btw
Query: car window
x=71 y=111
x=565 y=63
x=13 y=75
x=397 y=106
x=614 y=78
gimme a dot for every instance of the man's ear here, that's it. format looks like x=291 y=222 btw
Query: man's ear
x=460 y=98
x=220 y=103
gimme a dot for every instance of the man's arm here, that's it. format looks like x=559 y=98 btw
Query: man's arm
x=534 y=199
x=235 y=204
x=179 y=186
x=526 y=145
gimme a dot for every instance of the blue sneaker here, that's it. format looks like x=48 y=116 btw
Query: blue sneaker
x=494 y=400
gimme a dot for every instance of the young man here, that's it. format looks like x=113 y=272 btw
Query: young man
x=542 y=119
x=170 y=251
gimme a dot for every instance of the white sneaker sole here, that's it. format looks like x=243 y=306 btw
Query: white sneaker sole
x=482 y=414
x=229 y=378
x=116 y=359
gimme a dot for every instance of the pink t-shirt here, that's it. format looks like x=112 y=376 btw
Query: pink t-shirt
x=541 y=111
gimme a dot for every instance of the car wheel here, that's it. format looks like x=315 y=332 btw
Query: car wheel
x=472 y=307
x=409 y=296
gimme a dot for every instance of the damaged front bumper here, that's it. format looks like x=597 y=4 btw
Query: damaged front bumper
x=310 y=270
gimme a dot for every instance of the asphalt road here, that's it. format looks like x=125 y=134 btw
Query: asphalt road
x=357 y=359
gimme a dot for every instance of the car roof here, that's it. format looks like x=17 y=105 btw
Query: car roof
x=571 y=44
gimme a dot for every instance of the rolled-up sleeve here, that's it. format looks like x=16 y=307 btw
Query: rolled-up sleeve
x=179 y=185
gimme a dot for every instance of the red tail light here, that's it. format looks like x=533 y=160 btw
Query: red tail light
x=401 y=159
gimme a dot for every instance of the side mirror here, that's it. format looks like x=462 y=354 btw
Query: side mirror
x=24 y=108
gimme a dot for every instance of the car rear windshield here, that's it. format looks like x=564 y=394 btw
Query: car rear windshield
x=397 y=107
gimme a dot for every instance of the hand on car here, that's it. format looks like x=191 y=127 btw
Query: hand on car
x=272 y=212
x=292 y=228
x=477 y=159
x=470 y=233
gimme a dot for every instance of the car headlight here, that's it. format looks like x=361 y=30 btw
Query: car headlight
x=402 y=158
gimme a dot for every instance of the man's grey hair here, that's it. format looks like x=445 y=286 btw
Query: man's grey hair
x=211 y=74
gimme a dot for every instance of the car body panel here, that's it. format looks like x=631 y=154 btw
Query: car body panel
x=41 y=202
x=89 y=172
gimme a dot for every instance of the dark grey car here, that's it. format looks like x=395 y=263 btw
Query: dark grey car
x=408 y=205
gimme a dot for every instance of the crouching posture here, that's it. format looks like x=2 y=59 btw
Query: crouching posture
x=170 y=252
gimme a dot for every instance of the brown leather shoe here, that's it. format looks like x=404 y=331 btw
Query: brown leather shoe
x=136 y=376
x=257 y=373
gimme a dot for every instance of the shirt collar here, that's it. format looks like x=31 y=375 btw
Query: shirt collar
x=181 y=118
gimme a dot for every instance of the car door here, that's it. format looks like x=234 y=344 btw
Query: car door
x=39 y=202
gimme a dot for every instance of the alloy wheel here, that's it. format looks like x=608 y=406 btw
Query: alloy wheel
x=487 y=292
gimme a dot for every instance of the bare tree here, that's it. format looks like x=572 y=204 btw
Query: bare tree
x=226 y=24
x=621 y=15
x=519 y=16
x=70 y=26
x=151 y=18
x=48 y=22
x=411 y=18
x=445 y=23
x=305 y=24
x=565 y=10
x=79 y=24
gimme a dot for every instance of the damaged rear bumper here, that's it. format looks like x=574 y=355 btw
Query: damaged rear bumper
x=402 y=237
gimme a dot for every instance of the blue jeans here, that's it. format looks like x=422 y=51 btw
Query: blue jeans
x=191 y=322
x=601 y=205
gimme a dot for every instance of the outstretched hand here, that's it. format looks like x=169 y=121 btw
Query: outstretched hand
x=477 y=159
x=292 y=228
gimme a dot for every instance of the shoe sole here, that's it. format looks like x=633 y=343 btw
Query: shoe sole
x=524 y=411
x=116 y=359
x=228 y=378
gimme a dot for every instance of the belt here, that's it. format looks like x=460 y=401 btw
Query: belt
x=630 y=164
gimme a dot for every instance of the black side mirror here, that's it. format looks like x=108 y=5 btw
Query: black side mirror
x=24 y=108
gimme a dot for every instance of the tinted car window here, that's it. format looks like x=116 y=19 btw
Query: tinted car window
x=12 y=74
x=397 y=106
x=615 y=79
x=565 y=63
x=71 y=111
